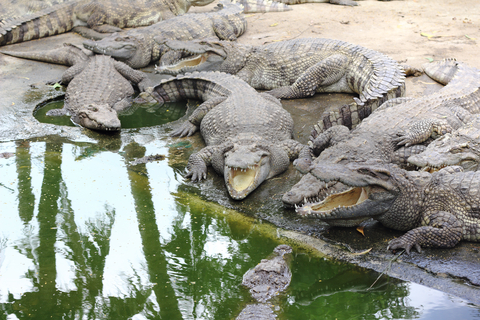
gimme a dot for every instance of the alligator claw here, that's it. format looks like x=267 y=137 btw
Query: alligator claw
x=187 y=129
x=197 y=175
x=403 y=140
x=401 y=243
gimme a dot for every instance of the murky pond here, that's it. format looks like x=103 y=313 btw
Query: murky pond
x=86 y=234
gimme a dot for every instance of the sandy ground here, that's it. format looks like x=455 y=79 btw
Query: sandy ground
x=411 y=31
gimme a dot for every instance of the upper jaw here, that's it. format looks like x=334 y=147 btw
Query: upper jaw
x=241 y=181
x=431 y=164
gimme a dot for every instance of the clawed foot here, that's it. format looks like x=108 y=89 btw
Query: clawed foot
x=187 y=129
x=197 y=173
x=403 y=243
x=403 y=139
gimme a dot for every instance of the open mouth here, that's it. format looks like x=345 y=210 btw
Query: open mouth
x=432 y=169
x=187 y=62
x=241 y=179
x=348 y=198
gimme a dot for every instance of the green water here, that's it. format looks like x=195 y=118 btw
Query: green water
x=87 y=235
x=137 y=116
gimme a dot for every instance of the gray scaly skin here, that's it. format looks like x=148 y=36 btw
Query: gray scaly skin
x=301 y=67
x=102 y=16
x=259 y=6
x=436 y=210
x=98 y=86
x=339 y=2
x=266 y=280
x=397 y=130
x=459 y=148
x=248 y=134
x=138 y=49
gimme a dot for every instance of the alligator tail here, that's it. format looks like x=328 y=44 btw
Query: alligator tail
x=51 y=21
x=257 y=6
x=380 y=80
x=196 y=85
x=441 y=71
x=67 y=55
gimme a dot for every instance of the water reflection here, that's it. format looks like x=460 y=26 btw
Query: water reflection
x=87 y=235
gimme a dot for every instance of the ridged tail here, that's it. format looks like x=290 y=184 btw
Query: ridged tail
x=67 y=55
x=196 y=85
x=258 y=6
x=382 y=80
x=51 y=21
x=441 y=71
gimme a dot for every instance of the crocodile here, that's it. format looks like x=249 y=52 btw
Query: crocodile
x=350 y=3
x=98 y=86
x=138 y=49
x=101 y=16
x=16 y=8
x=299 y=68
x=459 y=148
x=435 y=209
x=265 y=281
x=400 y=128
x=248 y=134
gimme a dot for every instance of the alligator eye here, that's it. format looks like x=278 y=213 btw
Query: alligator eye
x=459 y=149
x=95 y=109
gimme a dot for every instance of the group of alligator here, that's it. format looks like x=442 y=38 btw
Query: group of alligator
x=361 y=160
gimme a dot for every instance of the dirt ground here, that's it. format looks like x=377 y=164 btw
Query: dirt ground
x=410 y=31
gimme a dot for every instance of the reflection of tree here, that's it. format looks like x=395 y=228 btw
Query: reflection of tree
x=26 y=199
x=150 y=235
x=88 y=251
x=42 y=303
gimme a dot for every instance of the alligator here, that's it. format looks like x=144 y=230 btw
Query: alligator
x=138 y=49
x=397 y=130
x=98 y=86
x=299 y=68
x=16 y=8
x=350 y=3
x=437 y=210
x=459 y=148
x=145 y=159
x=101 y=16
x=248 y=134
x=265 y=281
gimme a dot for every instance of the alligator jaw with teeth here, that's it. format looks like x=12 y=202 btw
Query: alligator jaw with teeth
x=326 y=209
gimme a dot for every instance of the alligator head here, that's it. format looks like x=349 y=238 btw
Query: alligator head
x=199 y=55
x=97 y=117
x=129 y=47
x=246 y=166
x=370 y=190
x=461 y=148
x=203 y=55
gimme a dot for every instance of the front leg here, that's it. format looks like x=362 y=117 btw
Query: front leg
x=419 y=131
x=190 y=126
x=72 y=72
x=444 y=230
x=135 y=76
x=331 y=136
x=198 y=162
x=324 y=73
